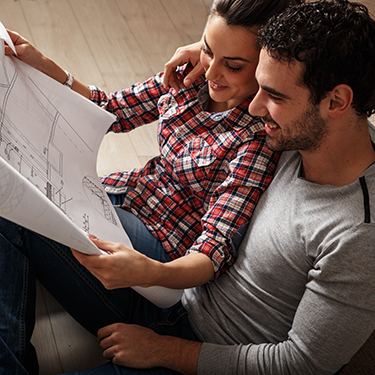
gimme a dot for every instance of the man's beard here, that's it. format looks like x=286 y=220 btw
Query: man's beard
x=304 y=134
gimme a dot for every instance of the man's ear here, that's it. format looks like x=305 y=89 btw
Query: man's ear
x=340 y=100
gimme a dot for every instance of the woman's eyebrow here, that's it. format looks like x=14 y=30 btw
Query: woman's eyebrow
x=225 y=57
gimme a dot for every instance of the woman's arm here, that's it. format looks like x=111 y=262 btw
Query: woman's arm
x=27 y=53
x=127 y=267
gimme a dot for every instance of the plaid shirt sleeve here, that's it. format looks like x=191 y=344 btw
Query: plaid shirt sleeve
x=134 y=106
x=233 y=202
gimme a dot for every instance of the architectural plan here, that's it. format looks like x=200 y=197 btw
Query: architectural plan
x=49 y=141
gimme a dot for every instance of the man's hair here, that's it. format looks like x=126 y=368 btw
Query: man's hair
x=249 y=13
x=335 y=42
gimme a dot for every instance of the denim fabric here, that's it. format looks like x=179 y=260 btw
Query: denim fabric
x=110 y=369
x=141 y=239
x=25 y=256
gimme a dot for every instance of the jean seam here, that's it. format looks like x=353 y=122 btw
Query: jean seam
x=22 y=319
x=23 y=308
x=167 y=321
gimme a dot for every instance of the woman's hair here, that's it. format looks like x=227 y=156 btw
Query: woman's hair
x=249 y=13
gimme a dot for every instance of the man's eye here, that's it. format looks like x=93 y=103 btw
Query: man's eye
x=274 y=98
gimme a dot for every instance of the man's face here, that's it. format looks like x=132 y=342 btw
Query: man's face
x=291 y=121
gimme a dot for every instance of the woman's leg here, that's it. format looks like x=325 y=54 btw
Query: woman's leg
x=80 y=293
x=17 y=310
x=141 y=239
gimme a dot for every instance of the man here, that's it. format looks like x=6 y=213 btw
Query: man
x=299 y=299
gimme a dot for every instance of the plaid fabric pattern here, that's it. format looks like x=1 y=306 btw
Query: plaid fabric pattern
x=210 y=173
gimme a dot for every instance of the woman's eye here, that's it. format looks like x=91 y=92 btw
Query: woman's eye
x=232 y=69
x=206 y=51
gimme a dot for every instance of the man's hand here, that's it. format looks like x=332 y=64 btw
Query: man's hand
x=189 y=53
x=139 y=347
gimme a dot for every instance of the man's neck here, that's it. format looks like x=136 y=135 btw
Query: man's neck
x=341 y=159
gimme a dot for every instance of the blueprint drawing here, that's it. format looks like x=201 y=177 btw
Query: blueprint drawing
x=50 y=135
x=49 y=141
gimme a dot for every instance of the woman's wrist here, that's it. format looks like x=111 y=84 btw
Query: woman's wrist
x=51 y=69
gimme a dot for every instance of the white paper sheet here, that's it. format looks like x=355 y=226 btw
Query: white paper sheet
x=49 y=141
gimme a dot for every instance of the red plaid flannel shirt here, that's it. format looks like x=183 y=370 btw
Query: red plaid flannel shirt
x=199 y=193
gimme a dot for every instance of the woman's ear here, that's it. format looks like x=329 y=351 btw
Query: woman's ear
x=340 y=100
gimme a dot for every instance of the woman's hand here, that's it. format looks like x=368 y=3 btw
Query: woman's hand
x=26 y=51
x=189 y=53
x=123 y=267
x=30 y=55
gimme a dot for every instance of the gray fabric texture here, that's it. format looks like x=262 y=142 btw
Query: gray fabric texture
x=299 y=299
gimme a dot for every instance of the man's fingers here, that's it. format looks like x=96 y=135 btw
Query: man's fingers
x=194 y=74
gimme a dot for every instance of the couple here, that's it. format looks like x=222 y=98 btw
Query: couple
x=299 y=297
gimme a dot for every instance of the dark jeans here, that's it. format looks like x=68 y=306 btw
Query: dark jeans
x=25 y=256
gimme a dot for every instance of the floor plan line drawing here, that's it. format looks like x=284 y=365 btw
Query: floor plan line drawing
x=49 y=142
x=42 y=144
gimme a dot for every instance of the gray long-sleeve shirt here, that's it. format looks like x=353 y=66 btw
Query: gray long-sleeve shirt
x=300 y=298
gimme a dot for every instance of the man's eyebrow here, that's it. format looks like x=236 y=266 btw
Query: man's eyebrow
x=275 y=92
x=225 y=57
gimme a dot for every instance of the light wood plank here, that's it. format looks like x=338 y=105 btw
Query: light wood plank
x=119 y=57
x=13 y=18
x=188 y=24
x=43 y=338
x=77 y=351
x=145 y=142
x=207 y=3
x=151 y=28
x=370 y=5
x=117 y=153
x=57 y=33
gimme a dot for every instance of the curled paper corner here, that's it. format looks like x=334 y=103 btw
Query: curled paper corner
x=6 y=38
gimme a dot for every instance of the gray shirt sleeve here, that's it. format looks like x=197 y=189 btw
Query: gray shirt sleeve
x=331 y=323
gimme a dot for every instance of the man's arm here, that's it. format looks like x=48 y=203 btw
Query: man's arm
x=187 y=54
x=139 y=347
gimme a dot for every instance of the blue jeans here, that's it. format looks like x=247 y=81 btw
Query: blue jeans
x=141 y=239
x=25 y=256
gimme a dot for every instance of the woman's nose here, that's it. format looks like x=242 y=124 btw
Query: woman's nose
x=213 y=71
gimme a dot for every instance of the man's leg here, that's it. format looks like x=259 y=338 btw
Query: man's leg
x=110 y=369
x=175 y=323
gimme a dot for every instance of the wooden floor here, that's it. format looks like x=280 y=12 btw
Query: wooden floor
x=111 y=44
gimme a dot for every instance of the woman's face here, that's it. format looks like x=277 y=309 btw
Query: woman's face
x=229 y=57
